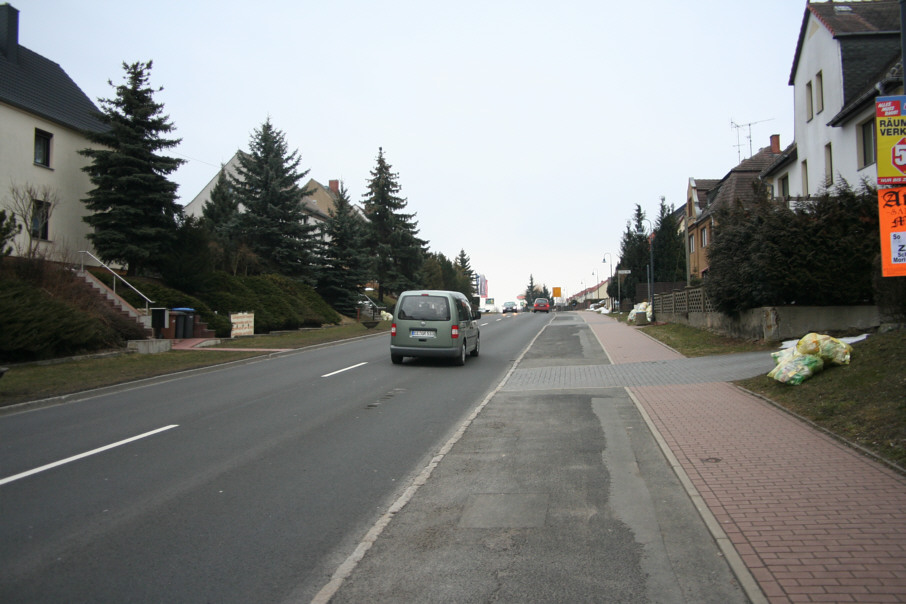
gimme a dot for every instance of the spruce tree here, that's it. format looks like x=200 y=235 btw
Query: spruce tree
x=392 y=241
x=669 y=247
x=634 y=257
x=273 y=225
x=133 y=205
x=464 y=264
x=530 y=293
x=345 y=263
x=9 y=228
x=220 y=217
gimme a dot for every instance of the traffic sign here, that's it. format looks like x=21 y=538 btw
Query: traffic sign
x=624 y=272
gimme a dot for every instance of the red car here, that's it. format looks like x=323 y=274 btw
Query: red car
x=541 y=305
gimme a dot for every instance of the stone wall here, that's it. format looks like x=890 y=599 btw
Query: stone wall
x=771 y=323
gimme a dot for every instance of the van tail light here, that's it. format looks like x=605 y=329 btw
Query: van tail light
x=393 y=329
x=455 y=332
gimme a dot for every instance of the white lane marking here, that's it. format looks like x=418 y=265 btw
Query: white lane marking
x=342 y=370
x=86 y=454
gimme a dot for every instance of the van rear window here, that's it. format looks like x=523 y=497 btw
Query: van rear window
x=425 y=308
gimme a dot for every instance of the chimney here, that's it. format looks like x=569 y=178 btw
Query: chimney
x=9 y=32
x=334 y=186
x=775 y=144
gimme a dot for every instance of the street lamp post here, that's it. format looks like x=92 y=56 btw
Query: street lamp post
x=610 y=264
x=641 y=231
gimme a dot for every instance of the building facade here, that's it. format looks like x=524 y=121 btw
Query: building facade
x=847 y=54
x=43 y=114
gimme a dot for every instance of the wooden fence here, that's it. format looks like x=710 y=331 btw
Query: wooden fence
x=683 y=301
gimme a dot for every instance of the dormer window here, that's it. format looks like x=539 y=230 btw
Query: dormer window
x=42 y=147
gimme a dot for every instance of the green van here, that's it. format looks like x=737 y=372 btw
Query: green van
x=434 y=323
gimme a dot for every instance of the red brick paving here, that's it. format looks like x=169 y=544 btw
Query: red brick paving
x=813 y=519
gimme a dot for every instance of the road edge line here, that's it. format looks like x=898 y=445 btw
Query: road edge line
x=348 y=566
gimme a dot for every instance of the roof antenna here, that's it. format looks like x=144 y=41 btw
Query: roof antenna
x=739 y=127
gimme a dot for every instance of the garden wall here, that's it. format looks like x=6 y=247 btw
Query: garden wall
x=772 y=323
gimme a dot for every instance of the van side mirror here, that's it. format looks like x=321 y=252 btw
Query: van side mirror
x=476 y=314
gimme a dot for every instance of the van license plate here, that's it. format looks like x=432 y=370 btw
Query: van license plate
x=421 y=333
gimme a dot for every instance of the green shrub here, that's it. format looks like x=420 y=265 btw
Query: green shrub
x=37 y=326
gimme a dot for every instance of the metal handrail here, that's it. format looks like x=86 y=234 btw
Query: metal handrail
x=115 y=274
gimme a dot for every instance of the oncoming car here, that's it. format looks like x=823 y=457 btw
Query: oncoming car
x=541 y=305
x=510 y=307
x=434 y=323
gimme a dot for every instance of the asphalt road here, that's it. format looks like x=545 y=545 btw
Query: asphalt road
x=556 y=492
x=252 y=482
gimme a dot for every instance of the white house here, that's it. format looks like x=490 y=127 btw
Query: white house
x=317 y=205
x=847 y=54
x=42 y=116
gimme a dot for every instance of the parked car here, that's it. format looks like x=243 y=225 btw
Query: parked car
x=510 y=307
x=541 y=305
x=434 y=323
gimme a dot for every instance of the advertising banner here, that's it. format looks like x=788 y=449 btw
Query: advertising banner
x=890 y=130
x=892 y=215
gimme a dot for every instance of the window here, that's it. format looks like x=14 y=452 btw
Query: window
x=40 y=220
x=42 y=148
x=805 y=179
x=691 y=243
x=809 y=108
x=704 y=237
x=425 y=308
x=867 y=147
x=828 y=166
x=785 y=186
x=819 y=92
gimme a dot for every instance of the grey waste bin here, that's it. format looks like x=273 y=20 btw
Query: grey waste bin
x=185 y=323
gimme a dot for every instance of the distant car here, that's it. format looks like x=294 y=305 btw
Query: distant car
x=541 y=305
x=510 y=307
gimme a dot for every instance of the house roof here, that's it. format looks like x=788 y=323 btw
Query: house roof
x=700 y=187
x=737 y=185
x=39 y=86
x=868 y=33
x=885 y=81
x=790 y=154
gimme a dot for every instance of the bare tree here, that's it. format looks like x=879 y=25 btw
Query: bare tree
x=33 y=206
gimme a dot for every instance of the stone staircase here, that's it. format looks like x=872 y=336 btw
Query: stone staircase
x=199 y=329
x=117 y=303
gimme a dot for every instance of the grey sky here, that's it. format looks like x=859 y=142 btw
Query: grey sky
x=522 y=132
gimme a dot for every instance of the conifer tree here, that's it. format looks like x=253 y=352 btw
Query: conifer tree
x=464 y=264
x=669 y=250
x=9 y=228
x=530 y=293
x=634 y=257
x=345 y=263
x=220 y=217
x=273 y=224
x=392 y=240
x=133 y=205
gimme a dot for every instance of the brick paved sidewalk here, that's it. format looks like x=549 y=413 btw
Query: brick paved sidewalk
x=811 y=518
